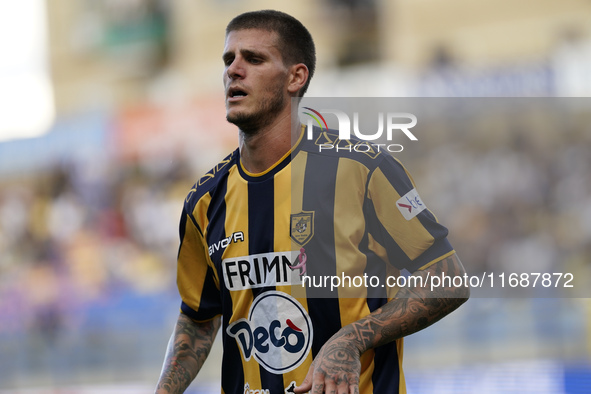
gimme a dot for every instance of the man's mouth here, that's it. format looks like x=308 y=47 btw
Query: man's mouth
x=236 y=94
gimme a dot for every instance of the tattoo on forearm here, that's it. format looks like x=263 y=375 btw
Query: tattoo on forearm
x=412 y=310
x=186 y=353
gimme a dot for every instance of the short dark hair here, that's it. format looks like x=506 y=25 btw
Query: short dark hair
x=295 y=41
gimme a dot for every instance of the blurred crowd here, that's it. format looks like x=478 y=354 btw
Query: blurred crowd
x=69 y=241
x=514 y=185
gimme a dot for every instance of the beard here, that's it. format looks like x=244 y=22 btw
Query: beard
x=262 y=115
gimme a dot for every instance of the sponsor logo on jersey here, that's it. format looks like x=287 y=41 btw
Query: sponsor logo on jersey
x=278 y=332
x=302 y=227
x=223 y=244
x=410 y=205
x=248 y=390
x=261 y=270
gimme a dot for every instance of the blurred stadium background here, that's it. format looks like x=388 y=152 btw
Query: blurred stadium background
x=133 y=114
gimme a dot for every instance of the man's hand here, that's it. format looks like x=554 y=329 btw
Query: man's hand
x=336 y=368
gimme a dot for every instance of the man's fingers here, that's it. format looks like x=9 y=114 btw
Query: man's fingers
x=353 y=385
x=318 y=382
x=304 y=387
x=318 y=388
x=307 y=383
x=342 y=388
x=329 y=387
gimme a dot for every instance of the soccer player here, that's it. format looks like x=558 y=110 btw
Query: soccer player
x=276 y=208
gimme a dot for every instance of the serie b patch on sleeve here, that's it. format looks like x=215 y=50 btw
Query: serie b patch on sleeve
x=410 y=205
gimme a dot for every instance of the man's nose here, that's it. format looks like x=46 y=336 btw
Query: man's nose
x=235 y=70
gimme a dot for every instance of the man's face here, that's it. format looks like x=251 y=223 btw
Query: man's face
x=255 y=79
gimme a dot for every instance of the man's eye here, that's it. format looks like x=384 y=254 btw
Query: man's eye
x=228 y=60
x=255 y=61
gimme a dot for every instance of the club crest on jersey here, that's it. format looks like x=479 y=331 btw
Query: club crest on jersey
x=302 y=227
x=278 y=332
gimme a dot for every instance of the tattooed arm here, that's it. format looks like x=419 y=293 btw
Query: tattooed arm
x=336 y=367
x=187 y=350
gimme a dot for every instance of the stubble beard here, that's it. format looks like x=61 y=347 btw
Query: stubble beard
x=263 y=115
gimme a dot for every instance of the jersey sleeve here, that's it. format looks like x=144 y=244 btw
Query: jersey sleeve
x=196 y=279
x=400 y=221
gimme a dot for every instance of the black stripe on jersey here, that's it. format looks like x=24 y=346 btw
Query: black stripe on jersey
x=386 y=369
x=261 y=219
x=394 y=171
x=375 y=266
x=182 y=228
x=439 y=232
x=207 y=309
x=396 y=255
x=232 y=371
x=403 y=186
x=319 y=195
x=216 y=214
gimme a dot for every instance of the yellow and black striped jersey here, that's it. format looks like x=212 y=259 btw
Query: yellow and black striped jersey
x=258 y=249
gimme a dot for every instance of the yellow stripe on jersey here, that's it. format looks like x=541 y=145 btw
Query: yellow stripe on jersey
x=400 y=351
x=295 y=189
x=349 y=228
x=236 y=200
x=191 y=277
x=281 y=210
x=237 y=218
x=410 y=235
x=296 y=185
x=200 y=212
x=367 y=368
x=430 y=263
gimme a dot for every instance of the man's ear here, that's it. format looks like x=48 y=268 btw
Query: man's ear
x=298 y=75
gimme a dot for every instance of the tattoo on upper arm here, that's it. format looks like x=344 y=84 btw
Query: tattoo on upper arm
x=187 y=352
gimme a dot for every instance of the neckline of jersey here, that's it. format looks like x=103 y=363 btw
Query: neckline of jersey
x=276 y=167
